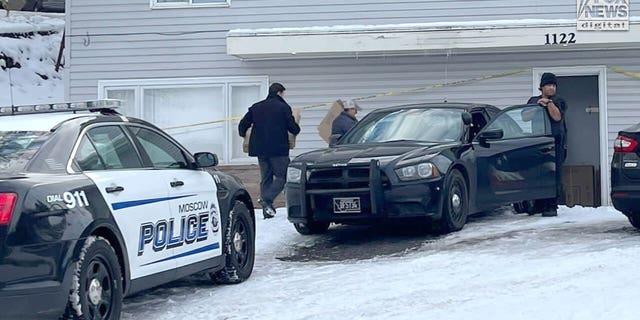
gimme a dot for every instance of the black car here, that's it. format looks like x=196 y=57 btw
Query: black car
x=625 y=174
x=95 y=206
x=441 y=161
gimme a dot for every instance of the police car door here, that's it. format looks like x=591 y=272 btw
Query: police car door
x=137 y=197
x=194 y=205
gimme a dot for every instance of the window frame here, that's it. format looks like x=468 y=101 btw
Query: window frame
x=148 y=163
x=139 y=85
x=547 y=124
x=73 y=168
x=154 y=4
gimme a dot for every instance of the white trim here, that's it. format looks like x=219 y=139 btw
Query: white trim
x=601 y=72
x=472 y=37
x=139 y=85
x=181 y=81
x=180 y=5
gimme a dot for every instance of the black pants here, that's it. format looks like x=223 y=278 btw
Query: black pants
x=561 y=155
x=273 y=171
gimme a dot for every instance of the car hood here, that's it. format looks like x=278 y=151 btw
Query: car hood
x=364 y=153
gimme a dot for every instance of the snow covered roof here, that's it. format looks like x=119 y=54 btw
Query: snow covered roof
x=439 y=26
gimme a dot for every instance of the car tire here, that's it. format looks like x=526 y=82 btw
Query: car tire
x=96 y=290
x=239 y=246
x=634 y=219
x=313 y=227
x=455 y=206
x=528 y=206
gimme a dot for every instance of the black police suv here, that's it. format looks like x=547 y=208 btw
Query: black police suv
x=625 y=174
x=442 y=161
x=95 y=206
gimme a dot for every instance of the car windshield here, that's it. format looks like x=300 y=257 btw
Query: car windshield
x=17 y=148
x=417 y=124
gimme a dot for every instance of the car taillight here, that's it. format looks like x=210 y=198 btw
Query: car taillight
x=624 y=144
x=7 y=203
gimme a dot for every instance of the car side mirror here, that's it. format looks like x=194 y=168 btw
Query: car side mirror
x=493 y=134
x=333 y=139
x=206 y=159
x=466 y=118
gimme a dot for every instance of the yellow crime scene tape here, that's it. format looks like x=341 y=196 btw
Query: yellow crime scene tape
x=413 y=90
x=625 y=72
x=375 y=96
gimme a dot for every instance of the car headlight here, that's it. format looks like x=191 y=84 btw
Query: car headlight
x=293 y=175
x=417 y=171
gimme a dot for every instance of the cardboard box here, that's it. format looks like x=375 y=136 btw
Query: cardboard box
x=324 y=129
x=578 y=184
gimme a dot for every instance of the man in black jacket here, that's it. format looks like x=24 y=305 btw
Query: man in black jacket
x=556 y=108
x=346 y=119
x=270 y=121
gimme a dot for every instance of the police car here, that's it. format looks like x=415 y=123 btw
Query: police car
x=95 y=206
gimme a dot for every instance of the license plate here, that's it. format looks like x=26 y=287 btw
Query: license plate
x=346 y=205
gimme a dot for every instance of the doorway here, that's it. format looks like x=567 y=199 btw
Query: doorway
x=585 y=182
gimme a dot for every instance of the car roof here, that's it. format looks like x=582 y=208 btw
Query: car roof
x=37 y=122
x=444 y=105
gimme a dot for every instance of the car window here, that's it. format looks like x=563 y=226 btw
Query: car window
x=87 y=157
x=415 y=124
x=522 y=122
x=18 y=147
x=162 y=152
x=114 y=148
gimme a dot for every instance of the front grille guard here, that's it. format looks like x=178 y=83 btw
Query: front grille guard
x=375 y=189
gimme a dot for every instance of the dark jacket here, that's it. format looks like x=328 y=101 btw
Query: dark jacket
x=558 y=128
x=271 y=120
x=343 y=123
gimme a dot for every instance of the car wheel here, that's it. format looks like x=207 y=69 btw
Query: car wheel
x=518 y=207
x=239 y=246
x=455 y=206
x=634 y=218
x=313 y=227
x=96 y=291
x=524 y=207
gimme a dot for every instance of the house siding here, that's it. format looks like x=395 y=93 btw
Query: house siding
x=128 y=40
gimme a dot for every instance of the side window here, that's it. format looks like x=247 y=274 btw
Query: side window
x=522 y=122
x=114 y=148
x=87 y=158
x=163 y=153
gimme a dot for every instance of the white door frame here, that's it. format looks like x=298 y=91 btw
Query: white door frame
x=601 y=72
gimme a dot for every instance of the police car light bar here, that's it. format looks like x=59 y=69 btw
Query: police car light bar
x=89 y=105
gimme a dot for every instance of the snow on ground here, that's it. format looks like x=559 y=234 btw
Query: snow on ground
x=36 y=81
x=579 y=265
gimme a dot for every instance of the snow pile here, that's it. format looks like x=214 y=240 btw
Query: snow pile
x=35 y=80
x=25 y=23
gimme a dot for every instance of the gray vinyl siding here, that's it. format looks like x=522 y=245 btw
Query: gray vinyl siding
x=128 y=40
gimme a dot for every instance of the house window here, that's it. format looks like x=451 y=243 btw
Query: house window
x=196 y=112
x=188 y=3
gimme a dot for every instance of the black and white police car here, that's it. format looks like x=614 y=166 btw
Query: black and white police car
x=95 y=206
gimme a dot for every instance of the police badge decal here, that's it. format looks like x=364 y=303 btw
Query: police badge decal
x=215 y=222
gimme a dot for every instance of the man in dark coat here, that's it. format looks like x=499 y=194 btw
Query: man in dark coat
x=270 y=121
x=556 y=108
x=346 y=119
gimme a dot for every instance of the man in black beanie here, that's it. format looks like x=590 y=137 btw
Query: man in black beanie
x=556 y=108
